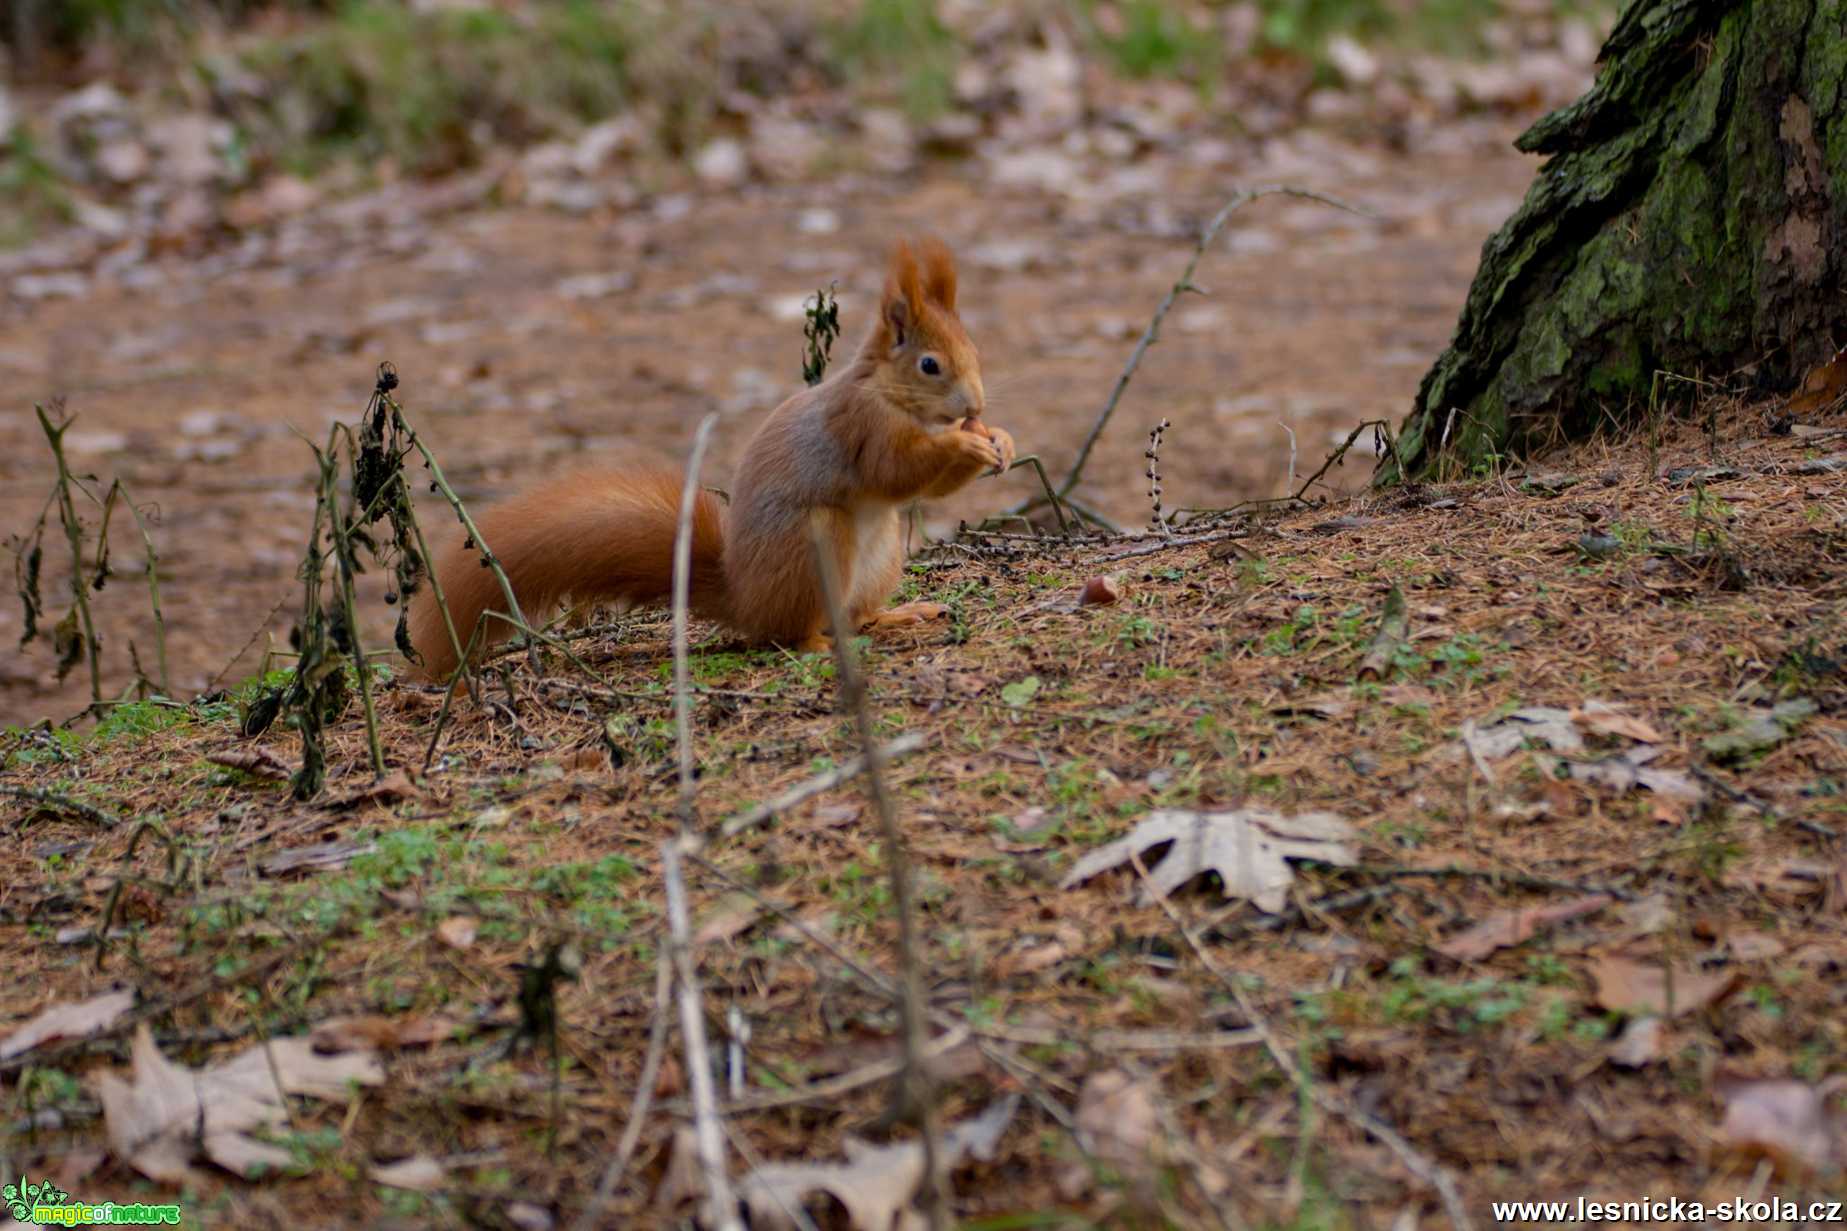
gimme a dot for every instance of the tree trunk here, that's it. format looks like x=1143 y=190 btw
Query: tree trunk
x=1689 y=221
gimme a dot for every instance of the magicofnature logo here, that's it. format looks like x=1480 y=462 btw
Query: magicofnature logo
x=46 y=1205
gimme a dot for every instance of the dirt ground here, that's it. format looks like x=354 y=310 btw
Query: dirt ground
x=529 y=340
x=1588 y=949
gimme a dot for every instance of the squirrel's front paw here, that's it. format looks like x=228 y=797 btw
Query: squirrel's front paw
x=978 y=449
x=1003 y=445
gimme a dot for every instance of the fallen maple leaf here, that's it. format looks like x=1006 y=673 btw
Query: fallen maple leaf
x=1636 y=988
x=1512 y=927
x=68 y=1021
x=1538 y=723
x=168 y=1114
x=876 y=1184
x=1249 y=849
x=1630 y=770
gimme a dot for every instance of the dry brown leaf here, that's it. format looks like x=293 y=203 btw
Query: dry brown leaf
x=1789 y=1121
x=1631 y=770
x=1513 y=927
x=255 y=760
x=876 y=1184
x=1750 y=945
x=378 y=1033
x=419 y=1173
x=68 y=1021
x=168 y=1114
x=732 y=915
x=322 y=855
x=1032 y=960
x=1824 y=383
x=1250 y=850
x=1608 y=719
x=1642 y=1042
x=458 y=931
x=393 y=787
x=1326 y=705
x=1118 y=1123
x=1626 y=986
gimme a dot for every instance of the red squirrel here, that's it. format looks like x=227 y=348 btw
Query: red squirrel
x=899 y=421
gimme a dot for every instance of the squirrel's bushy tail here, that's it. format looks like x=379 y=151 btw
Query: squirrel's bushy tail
x=597 y=537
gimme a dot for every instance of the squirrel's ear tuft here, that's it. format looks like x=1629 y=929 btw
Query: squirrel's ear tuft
x=903 y=300
x=939 y=272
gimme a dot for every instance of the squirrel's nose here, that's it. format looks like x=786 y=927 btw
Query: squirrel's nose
x=973 y=399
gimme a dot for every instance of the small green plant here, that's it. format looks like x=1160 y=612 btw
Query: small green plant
x=1159 y=38
x=903 y=42
x=820 y=327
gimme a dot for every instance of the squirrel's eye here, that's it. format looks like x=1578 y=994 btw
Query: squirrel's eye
x=929 y=366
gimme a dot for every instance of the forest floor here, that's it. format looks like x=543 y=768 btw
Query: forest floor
x=1583 y=900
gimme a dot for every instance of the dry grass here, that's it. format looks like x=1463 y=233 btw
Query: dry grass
x=1212 y=682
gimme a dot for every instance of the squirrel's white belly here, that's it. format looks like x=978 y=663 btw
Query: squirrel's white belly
x=876 y=548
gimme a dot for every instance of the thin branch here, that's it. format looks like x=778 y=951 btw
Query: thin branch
x=474 y=536
x=806 y=790
x=1180 y=287
x=722 y=1206
x=62 y=803
x=682 y=584
x=73 y=535
x=911 y=1008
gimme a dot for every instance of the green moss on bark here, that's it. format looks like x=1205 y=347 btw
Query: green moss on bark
x=1688 y=219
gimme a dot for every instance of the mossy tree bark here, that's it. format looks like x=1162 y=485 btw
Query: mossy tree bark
x=1689 y=220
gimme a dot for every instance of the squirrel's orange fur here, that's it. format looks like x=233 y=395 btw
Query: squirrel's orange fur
x=845 y=456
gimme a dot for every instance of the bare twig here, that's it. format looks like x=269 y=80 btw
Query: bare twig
x=1392 y=627
x=1153 y=454
x=1051 y=496
x=119 y=492
x=682 y=584
x=55 y=802
x=1289 y=432
x=345 y=565
x=721 y=1208
x=832 y=1088
x=911 y=1008
x=1179 y=288
x=1378 y=425
x=73 y=534
x=803 y=791
x=474 y=536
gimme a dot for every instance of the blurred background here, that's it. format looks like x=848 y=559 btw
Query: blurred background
x=578 y=225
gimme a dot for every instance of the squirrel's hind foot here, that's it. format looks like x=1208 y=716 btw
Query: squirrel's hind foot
x=905 y=615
